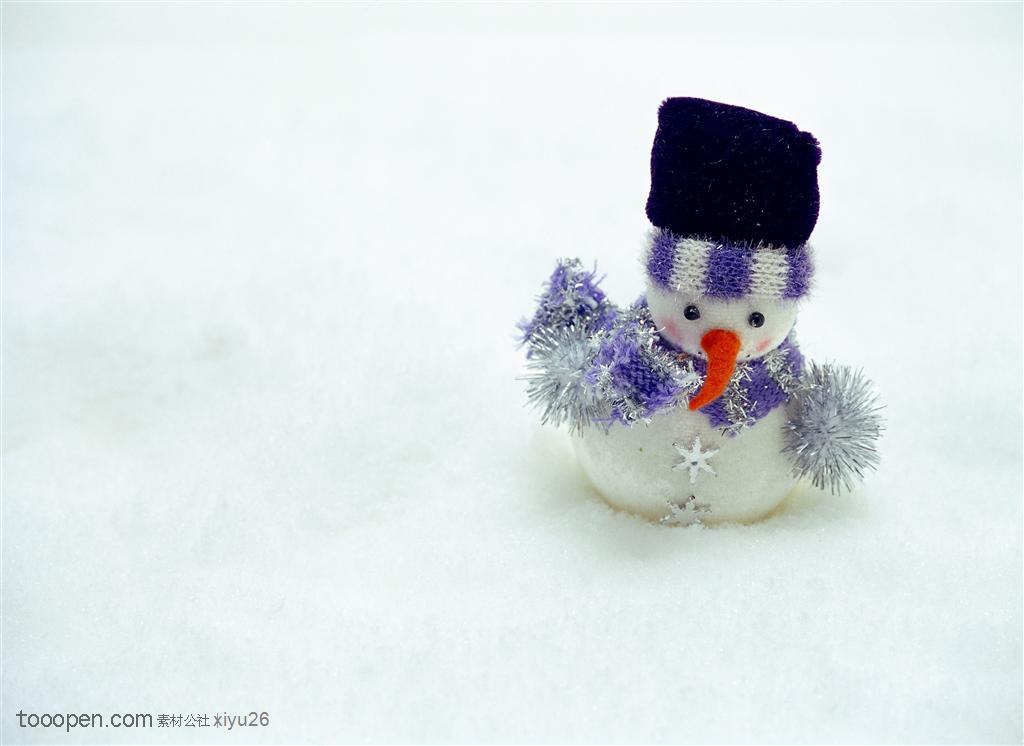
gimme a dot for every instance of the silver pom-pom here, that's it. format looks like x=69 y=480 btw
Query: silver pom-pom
x=556 y=382
x=833 y=427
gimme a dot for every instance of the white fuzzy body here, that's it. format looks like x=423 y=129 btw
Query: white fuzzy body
x=632 y=467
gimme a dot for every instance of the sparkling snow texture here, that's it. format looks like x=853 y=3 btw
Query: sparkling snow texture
x=265 y=449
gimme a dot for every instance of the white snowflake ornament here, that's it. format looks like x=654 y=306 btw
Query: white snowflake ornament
x=695 y=459
x=685 y=513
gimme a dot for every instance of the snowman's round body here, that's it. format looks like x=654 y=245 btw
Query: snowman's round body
x=680 y=460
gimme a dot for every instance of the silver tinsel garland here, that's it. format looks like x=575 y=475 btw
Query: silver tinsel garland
x=776 y=363
x=736 y=402
x=556 y=383
x=833 y=427
x=735 y=399
x=660 y=362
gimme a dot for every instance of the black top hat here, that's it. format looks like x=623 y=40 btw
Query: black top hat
x=727 y=173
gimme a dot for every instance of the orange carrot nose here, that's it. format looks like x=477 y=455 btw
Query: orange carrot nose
x=722 y=347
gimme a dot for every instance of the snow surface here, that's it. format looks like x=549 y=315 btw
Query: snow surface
x=264 y=448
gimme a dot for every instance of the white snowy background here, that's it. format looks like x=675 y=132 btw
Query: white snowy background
x=263 y=443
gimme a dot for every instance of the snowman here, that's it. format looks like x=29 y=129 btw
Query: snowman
x=694 y=404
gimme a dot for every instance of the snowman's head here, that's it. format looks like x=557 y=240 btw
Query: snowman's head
x=723 y=303
x=759 y=323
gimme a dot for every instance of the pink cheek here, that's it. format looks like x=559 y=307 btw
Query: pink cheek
x=763 y=345
x=672 y=328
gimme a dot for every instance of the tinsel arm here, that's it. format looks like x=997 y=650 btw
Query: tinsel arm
x=563 y=338
x=591 y=364
x=572 y=296
x=833 y=427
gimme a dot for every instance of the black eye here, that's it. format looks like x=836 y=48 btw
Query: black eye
x=692 y=313
x=756 y=319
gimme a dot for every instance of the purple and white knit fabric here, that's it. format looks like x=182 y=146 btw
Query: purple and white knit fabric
x=722 y=270
x=596 y=364
x=572 y=295
x=640 y=374
x=758 y=386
